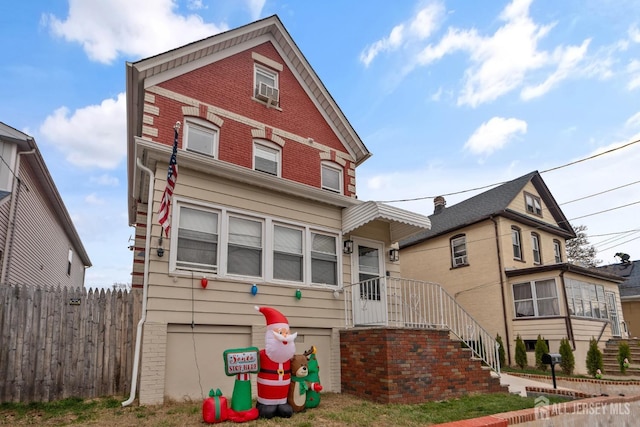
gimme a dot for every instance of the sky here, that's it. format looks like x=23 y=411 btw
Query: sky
x=450 y=97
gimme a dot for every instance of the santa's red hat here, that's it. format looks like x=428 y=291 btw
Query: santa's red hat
x=275 y=319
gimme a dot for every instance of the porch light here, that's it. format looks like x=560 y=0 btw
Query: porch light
x=394 y=255
x=348 y=247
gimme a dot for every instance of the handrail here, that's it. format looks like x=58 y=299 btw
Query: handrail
x=398 y=302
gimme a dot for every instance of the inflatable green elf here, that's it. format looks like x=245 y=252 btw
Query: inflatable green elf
x=313 y=377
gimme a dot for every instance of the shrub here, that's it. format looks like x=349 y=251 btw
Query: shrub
x=541 y=348
x=594 y=358
x=501 y=355
x=624 y=356
x=568 y=362
x=521 y=353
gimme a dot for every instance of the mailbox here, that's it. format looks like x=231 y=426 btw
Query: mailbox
x=551 y=358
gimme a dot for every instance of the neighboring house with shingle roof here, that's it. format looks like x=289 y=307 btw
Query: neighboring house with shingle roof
x=502 y=255
x=39 y=244
x=629 y=293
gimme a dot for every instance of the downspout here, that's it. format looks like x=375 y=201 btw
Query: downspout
x=504 y=301
x=145 y=286
x=566 y=307
x=11 y=225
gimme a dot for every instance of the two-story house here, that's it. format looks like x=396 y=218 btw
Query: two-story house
x=39 y=244
x=264 y=210
x=501 y=254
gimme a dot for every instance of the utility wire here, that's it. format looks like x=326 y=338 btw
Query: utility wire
x=503 y=182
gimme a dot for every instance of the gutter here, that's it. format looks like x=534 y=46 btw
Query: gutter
x=504 y=303
x=145 y=288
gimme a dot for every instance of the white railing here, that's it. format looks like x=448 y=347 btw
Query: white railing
x=396 y=302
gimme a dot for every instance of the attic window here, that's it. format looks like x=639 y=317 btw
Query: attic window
x=331 y=177
x=533 y=204
x=265 y=87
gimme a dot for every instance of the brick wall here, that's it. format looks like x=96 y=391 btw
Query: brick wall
x=388 y=365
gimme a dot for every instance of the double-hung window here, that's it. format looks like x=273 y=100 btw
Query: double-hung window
x=536 y=298
x=201 y=137
x=266 y=85
x=266 y=158
x=324 y=259
x=244 y=251
x=197 y=239
x=459 y=251
x=288 y=249
x=535 y=245
x=533 y=204
x=516 y=243
x=331 y=177
x=557 y=251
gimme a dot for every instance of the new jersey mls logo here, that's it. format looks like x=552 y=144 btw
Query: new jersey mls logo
x=541 y=407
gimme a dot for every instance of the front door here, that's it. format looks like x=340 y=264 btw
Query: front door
x=369 y=295
x=612 y=308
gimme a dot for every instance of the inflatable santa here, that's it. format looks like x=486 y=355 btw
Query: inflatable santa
x=275 y=367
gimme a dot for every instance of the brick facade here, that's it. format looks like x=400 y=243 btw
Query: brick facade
x=389 y=365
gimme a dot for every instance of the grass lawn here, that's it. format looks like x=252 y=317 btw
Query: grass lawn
x=335 y=410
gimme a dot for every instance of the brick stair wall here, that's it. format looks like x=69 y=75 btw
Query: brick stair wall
x=398 y=365
x=610 y=357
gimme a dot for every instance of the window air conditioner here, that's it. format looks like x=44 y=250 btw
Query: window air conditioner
x=267 y=93
x=460 y=260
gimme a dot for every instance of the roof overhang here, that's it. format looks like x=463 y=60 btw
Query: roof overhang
x=402 y=223
x=565 y=267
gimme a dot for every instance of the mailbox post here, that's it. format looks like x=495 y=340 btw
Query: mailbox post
x=552 y=359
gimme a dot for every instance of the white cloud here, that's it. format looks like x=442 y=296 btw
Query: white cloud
x=93 y=199
x=634 y=72
x=107 y=29
x=255 y=8
x=93 y=136
x=567 y=59
x=494 y=134
x=633 y=121
x=105 y=180
x=195 y=5
x=420 y=27
x=634 y=34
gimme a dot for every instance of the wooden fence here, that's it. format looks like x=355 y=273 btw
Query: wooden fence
x=57 y=343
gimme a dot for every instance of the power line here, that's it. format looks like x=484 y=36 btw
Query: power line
x=606 y=210
x=503 y=182
x=599 y=193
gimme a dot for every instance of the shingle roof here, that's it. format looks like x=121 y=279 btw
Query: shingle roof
x=630 y=272
x=490 y=203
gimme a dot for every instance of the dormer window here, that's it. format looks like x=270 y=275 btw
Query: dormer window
x=533 y=204
x=331 y=177
x=201 y=137
x=266 y=158
x=266 y=85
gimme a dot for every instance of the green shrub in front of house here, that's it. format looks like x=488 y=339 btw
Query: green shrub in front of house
x=521 y=353
x=568 y=362
x=594 y=358
x=541 y=348
x=624 y=356
x=501 y=355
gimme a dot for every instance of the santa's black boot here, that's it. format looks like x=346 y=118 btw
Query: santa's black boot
x=285 y=410
x=266 y=411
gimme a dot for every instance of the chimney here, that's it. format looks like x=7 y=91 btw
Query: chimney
x=438 y=204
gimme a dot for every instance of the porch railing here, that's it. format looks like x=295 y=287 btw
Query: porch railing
x=407 y=303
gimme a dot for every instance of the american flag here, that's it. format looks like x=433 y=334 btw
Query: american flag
x=172 y=176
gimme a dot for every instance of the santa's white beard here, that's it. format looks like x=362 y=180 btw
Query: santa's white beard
x=278 y=351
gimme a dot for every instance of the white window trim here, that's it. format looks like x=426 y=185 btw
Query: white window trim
x=535 y=248
x=203 y=125
x=534 y=298
x=268 y=223
x=519 y=234
x=536 y=204
x=557 y=251
x=337 y=168
x=272 y=146
x=465 y=259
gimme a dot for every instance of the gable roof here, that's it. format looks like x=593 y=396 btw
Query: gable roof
x=26 y=143
x=630 y=272
x=202 y=52
x=491 y=203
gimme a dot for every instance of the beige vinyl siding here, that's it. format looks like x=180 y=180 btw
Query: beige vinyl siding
x=4 y=224
x=40 y=247
x=551 y=329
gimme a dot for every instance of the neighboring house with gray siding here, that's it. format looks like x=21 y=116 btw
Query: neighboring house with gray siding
x=39 y=244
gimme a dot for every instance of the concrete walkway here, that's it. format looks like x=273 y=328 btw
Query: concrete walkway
x=517 y=385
